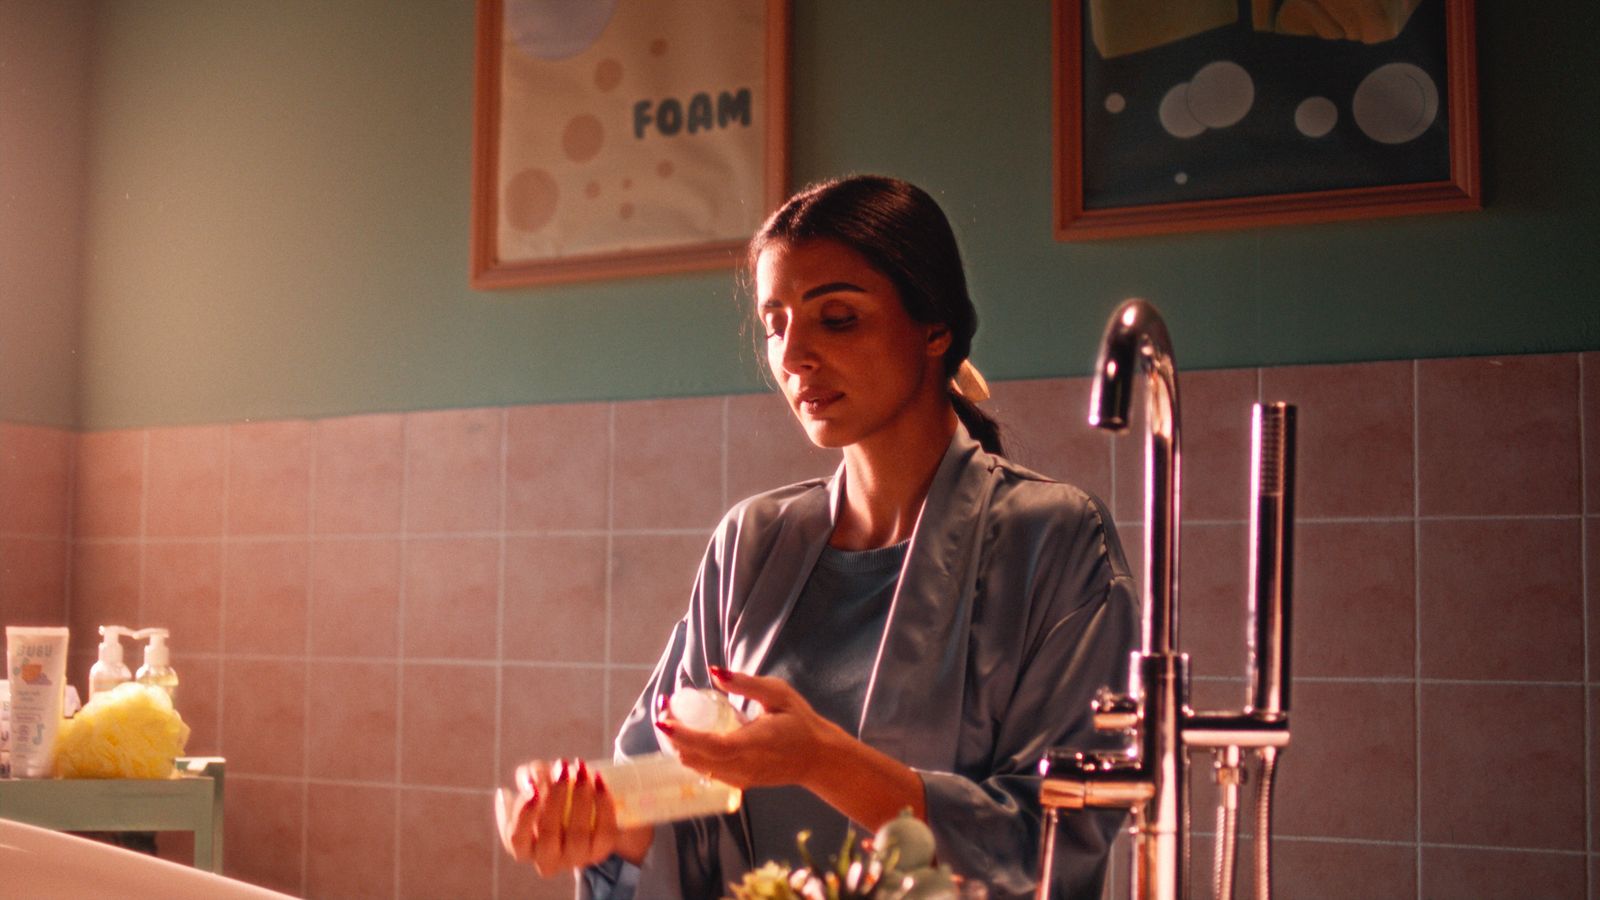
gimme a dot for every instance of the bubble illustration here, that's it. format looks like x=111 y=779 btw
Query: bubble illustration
x=582 y=139
x=556 y=29
x=1395 y=104
x=607 y=74
x=1116 y=103
x=1315 y=116
x=530 y=199
x=1220 y=94
x=1174 y=113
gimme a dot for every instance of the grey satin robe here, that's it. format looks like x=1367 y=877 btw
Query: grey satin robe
x=1015 y=606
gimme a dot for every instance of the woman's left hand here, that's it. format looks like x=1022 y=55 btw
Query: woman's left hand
x=784 y=745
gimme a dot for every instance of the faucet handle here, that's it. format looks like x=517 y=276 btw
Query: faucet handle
x=1114 y=712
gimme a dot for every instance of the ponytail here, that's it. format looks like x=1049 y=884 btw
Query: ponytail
x=984 y=428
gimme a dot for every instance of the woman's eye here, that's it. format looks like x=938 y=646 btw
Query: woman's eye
x=838 y=322
x=773 y=326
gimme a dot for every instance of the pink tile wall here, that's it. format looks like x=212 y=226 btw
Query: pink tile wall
x=35 y=542
x=376 y=617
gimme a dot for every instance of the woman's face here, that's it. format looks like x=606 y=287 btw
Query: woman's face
x=851 y=362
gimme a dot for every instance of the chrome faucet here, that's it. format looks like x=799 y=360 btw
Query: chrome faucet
x=1150 y=775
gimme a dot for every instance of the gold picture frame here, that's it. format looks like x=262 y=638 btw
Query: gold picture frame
x=1190 y=115
x=636 y=138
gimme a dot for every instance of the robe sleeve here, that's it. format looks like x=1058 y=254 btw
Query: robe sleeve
x=987 y=821
x=686 y=859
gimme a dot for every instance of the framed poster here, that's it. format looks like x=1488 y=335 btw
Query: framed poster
x=624 y=137
x=1188 y=115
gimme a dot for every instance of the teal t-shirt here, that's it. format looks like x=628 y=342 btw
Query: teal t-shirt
x=825 y=650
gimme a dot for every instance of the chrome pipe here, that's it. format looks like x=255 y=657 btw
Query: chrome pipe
x=1150 y=777
x=1136 y=342
x=1155 y=786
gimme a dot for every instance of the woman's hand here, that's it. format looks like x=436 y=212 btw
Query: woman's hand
x=780 y=746
x=790 y=743
x=563 y=818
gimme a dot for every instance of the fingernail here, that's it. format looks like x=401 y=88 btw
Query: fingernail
x=583 y=772
x=600 y=783
x=665 y=728
x=561 y=771
x=720 y=673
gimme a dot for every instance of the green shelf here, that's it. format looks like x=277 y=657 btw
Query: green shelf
x=192 y=801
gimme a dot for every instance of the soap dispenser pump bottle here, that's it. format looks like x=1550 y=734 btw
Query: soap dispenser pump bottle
x=157 y=670
x=110 y=670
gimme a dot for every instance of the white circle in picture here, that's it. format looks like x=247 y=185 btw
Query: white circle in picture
x=1395 y=104
x=1181 y=178
x=556 y=29
x=1220 y=94
x=1315 y=116
x=1116 y=103
x=1174 y=113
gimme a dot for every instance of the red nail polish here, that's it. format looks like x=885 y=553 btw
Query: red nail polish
x=720 y=673
x=583 y=772
x=600 y=784
x=561 y=771
x=661 y=704
x=665 y=728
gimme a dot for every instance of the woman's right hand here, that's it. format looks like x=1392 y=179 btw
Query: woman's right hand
x=563 y=818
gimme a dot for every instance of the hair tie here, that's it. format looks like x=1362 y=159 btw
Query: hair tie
x=969 y=383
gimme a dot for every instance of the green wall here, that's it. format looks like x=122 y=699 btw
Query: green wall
x=44 y=52
x=278 y=218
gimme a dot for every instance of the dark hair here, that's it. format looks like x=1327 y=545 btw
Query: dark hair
x=904 y=235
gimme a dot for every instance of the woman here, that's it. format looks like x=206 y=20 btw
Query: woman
x=917 y=630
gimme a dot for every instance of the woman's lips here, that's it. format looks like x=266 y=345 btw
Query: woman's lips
x=813 y=401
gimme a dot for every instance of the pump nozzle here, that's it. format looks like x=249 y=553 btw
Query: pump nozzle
x=111 y=644
x=157 y=670
x=109 y=671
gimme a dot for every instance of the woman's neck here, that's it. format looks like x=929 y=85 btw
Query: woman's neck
x=886 y=480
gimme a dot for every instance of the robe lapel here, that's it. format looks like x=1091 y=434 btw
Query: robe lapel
x=770 y=585
x=914 y=698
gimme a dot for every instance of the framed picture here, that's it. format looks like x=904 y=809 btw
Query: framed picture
x=1189 y=115
x=624 y=137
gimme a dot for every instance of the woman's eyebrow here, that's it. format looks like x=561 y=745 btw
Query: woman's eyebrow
x=832 y=287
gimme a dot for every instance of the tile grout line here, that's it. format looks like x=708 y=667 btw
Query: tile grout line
x=400 y=647
x=500 y=638
x=358 y=537
x=144 y=525
x=1416 y=616
x=305 y=729
x=610 y=531
x=1589 y=737
x=69 y=583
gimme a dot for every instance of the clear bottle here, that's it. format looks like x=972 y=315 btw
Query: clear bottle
x=157 y=670
x=109 y=671
x=655 y=787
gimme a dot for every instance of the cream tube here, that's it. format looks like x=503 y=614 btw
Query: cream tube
x=36 y=661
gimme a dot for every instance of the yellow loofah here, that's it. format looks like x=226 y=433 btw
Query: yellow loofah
x=131 y=731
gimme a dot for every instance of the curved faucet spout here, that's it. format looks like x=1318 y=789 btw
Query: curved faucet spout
x=1135 y=342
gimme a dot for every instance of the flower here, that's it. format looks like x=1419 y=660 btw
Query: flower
x=897 y=864
x=130 y=731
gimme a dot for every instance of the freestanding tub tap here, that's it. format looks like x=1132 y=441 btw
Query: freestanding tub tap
x=1150 y=775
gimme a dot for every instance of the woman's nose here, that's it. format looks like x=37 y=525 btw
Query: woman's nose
x=797 y=355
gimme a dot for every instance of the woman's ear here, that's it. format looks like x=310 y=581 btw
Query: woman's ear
x=938 y=339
